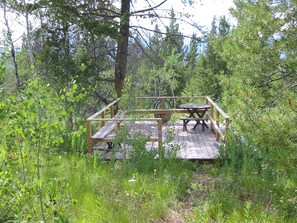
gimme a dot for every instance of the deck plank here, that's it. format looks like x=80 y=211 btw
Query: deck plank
x=194 y=144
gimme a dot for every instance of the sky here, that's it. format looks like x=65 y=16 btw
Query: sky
x=202 y=12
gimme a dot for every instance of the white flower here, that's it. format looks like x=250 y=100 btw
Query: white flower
x=132 y=180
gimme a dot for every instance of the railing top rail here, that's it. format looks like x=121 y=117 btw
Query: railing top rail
x=169 y=97
x=174 y=97
x=92 y=117
x=143 y=110
x=103 y=109
x=127 y=119
x=217 y=108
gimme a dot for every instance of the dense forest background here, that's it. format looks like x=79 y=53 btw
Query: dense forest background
x=84 y=54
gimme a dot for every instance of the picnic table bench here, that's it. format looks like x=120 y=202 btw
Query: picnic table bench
x=186 y=120
x=101 y=135
x=106 y=133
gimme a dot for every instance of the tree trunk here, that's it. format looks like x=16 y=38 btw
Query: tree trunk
x=122 y=48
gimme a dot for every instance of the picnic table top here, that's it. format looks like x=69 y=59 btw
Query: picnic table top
x=194 y=106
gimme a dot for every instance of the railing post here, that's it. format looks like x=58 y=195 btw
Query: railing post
x=102 y=116
x=111 y=111
x=212 y=116
x=163 y=107
x=89 y=135
x=227 y=121
x=161 y=153
x=211 y=111
x=115 y=108
x=218 y=124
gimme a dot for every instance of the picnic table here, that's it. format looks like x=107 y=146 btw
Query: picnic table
x=196 y=113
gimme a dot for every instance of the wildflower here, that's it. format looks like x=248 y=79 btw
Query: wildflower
x=132 y=180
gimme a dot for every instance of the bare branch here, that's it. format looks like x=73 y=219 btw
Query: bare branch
x=143 y=50
x=191 y=23
x=149 y=9
x=164 y=33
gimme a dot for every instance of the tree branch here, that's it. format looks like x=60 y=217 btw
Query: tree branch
x=277 y=79
x=149 y=9
x=164 y=33
x=191 y=23
x=143 y=50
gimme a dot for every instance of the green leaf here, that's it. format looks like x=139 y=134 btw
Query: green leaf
x=74 y=87
x=83 y=67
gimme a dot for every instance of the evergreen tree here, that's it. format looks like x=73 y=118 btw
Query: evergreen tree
x=174 y=39
x=262 y=89
x=192 y=54
x=210 y=66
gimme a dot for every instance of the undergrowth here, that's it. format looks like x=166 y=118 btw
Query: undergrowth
x=249 y=183
x=80 y=188
x=45 y=174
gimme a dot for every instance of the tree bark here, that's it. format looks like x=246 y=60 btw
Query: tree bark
x=122 y=48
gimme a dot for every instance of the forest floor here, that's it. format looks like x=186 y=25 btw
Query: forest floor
x=199 y=186
x=80 y=188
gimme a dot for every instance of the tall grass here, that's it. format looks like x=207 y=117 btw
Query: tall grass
x=80 y=188
x=257 y=185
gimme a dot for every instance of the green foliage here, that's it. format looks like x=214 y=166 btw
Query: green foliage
x=261 y=173
x=173 y=40
x=44 y=175
x=121 y=193
x=210 y=66
x=92 y=191
x=259 y=94
x=14 y=194
x=170 y=79
x=34 y=125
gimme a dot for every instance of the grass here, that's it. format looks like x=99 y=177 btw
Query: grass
x=81 y=188
x=89 y=190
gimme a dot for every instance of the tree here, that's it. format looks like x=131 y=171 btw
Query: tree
x=65 y=43
x=260 y=56
x=10 y=42
x=211 y=66
x=122 y=48
x=192 y=54
x=173 y=40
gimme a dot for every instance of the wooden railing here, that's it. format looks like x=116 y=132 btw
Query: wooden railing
x=219 y=120
x=108 y=114
x=110 y=109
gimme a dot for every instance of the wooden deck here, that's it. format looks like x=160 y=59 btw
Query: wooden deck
x=192 y=145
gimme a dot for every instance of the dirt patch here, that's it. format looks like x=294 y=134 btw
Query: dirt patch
x=198 y=190
x=172 y=217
